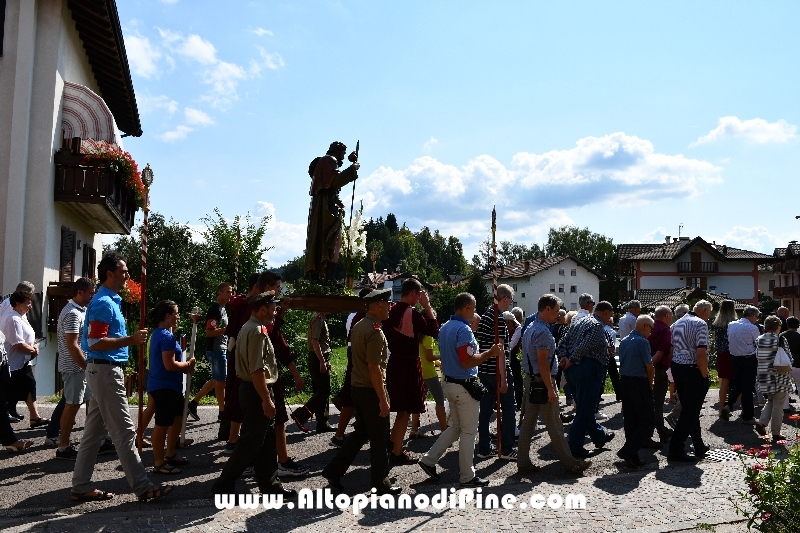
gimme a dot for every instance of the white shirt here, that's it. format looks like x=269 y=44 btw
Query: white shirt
x=743 y=337
x=347 y=325
x=627 y=324
x=515 y=338
x=5 y=307
x=17 y=330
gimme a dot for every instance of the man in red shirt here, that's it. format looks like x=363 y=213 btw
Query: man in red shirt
x=661 y=351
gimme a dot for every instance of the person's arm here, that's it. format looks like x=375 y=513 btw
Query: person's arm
x=542 y=355
x=426 y=305
x=74 y=348
x=376 y=378
x=299 y=384
x=470 y=360
x=316 y=332
x=99 y=326
x=430 y=356
x=702 y=360
x=213 y=320
x=259 y=378
x=171 y=365
x=19 y=339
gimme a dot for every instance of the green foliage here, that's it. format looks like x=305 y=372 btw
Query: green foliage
x=294 y=269
x=442 y=299
x=221 y=238
x=477 y=288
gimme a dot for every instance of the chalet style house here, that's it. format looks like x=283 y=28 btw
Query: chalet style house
x=565 y=276
x=65 y=89
x=786 y=286
x=682 y=263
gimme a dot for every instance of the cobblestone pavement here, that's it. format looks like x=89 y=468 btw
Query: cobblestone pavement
x=34 y=489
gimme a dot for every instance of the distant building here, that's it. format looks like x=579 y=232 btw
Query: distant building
x=64 y=86
x=388 y=280
x=565 y=276
x=692 y=263
x=786 y=281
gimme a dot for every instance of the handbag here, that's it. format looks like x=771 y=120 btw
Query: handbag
x=474 y=388
x=782 y=362
x=538 y=394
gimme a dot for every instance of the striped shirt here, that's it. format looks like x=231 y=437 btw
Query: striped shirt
x=689 y=333
x=69 y=321
x=485 y=339
x=585 y=339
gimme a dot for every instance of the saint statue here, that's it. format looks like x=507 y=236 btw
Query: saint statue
x=326 y=214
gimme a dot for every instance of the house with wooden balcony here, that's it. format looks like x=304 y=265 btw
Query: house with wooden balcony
x=786 y=283
x=65 y=88
x=681 y=263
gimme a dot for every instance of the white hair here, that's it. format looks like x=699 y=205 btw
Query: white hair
x=681 y=310
x=703 y=304
x=644 y=319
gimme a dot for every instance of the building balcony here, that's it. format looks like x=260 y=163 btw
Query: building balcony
x=626 y=270
x=787 y=266
x=710 y=267
x=786 y=292
x=94 y=194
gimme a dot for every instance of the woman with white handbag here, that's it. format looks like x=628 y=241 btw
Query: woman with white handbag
x=774 y=376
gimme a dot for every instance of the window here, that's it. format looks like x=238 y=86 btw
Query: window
x=561 y=287
x=514 y=286
x=523 y=295
x=573 y=288
x=771 y=284
x=560 y=271
x=66 y=269
x=552 y=287
x=573 y=272
x=573 y=306
x=89 y=267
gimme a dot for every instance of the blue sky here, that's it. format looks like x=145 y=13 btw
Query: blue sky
x=627 y=117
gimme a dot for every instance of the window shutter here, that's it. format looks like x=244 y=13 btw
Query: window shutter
x=67 y=263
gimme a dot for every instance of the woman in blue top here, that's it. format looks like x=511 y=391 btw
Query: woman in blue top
x=165 y=384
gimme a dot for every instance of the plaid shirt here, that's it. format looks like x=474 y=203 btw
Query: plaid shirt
x=586 y=339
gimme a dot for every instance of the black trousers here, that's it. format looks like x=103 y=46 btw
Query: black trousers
x=692 y=388
x=638 y=412
x=745 y=370
x=659 y=393
x=516 y=371
x=370 y=426
x=7 y=436
x=317 y=405
x=256 y=446
x=612 y=372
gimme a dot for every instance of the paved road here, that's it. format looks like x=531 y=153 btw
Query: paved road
x=34 y=490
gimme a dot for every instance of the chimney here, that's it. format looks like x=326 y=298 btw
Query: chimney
x=527 y=265
x=385 y=271
x=724 y=249
x=667 y=239
x=675 y=239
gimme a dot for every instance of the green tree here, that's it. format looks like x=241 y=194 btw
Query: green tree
x=594 y=249
x=222 y=241
x=477 y=288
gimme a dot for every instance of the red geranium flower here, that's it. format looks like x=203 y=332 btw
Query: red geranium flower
x=757 y=468
x=737 y=447
x=763 y=454
x=794 y=417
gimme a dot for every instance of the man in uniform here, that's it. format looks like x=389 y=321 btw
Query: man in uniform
x=370 y=399
x=326 y=214
x=257 y=368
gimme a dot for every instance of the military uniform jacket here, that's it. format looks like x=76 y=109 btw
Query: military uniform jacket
x=368 y=346
x=254 y=352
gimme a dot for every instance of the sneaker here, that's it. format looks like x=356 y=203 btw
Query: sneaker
x=70 y=454
x=51 y=441
x=193 y=410
x=475 y=482
x=292 y=469
x=510 y=456
x=608 y=438
x=486 y=455
x=106 y=448
x=338 y=442
x=430 y=470
x=600 y=415
x=404 y=458
x=229 y=447
x=760 y=428
x=249 y=472
x=566 y=418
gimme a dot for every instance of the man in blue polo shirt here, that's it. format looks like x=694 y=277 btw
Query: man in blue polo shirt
x=460 y=360
x=105 y=341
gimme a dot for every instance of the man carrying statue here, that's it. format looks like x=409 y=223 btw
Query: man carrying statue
x=326 y=214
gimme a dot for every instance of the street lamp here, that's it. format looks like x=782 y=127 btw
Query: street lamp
x=147 y=179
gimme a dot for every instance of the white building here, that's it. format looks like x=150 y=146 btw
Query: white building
x=56 y=58
x=681 y=263
x=565 y=276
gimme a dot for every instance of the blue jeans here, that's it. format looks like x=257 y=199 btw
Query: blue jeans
x=219 y=364
x=587 y=380
x=487 y=408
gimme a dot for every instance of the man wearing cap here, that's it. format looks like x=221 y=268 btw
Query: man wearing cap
x=460 y=361
x=628 y=322
x=326 y=214
x=257 y=367
x=369 y=348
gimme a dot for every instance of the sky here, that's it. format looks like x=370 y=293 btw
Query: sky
x=630 y=118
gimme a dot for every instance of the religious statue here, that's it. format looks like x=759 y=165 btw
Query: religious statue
x=326 y=214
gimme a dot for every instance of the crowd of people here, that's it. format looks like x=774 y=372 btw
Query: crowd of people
x=392 y=365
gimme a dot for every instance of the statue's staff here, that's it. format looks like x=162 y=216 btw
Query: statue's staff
x=352 y=201
x=496 y=336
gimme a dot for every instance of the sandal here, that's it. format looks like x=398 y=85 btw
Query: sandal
x=145 y=443
x=91 y=496
x=25 y=445
x=174 y=460
x=155 y=493
x=186 y=443
x=35 y=423
x=166 y=469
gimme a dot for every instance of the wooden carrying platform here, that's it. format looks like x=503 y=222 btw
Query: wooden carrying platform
x=331 y=303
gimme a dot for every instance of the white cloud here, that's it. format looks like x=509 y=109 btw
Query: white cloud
x=261 y=32
x=269 y=60
x=169 y=1
x=197 y=117
x=612 y=169
x=148 y=104
x=656 y=236
x=143 y=56
x=196 y=48
x=429 y=144
x=756 y=130
x=756 y=239
x=224 y=78
x=287 y=240
x=180 y=132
